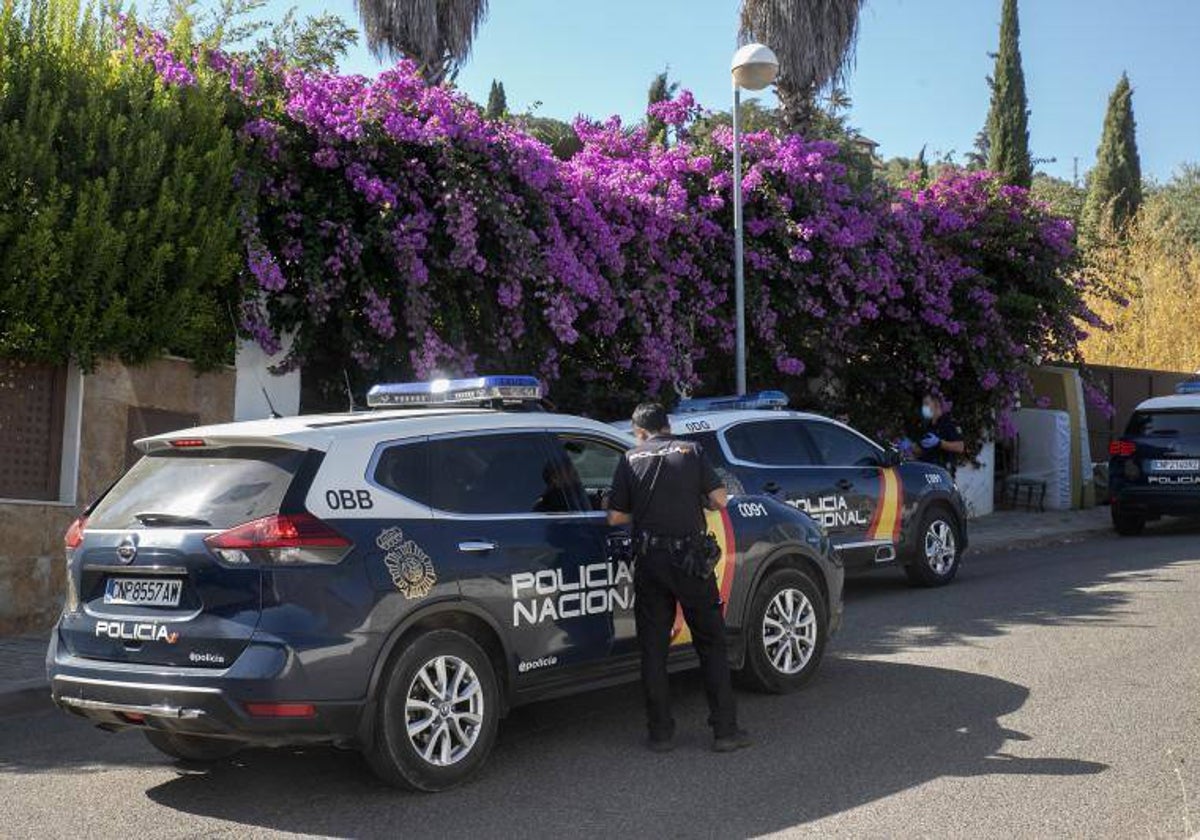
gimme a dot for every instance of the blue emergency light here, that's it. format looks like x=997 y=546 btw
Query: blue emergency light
x=1190 y=386
x=475 y=391
x=763 y=399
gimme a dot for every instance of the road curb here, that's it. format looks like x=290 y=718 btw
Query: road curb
x=1038 y=541
x=25 y=696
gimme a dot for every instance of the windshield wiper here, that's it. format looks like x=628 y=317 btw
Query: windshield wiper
x=153 y=519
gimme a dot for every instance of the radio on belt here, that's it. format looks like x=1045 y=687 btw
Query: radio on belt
x=474 y=392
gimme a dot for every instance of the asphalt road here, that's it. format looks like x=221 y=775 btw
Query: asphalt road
x=1047 y=693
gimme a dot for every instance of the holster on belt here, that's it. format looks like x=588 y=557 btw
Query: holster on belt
x=696 y=554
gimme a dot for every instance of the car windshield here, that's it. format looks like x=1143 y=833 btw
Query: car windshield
x=216 y=488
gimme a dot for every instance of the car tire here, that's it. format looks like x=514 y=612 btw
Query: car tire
x=938 y=552
x=424 y=738
x=191 y=748
x=1127 y=524
x=786 y=629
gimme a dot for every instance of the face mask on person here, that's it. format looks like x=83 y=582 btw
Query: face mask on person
x=927 y=411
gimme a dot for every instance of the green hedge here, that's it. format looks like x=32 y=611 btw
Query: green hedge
x=119 y=230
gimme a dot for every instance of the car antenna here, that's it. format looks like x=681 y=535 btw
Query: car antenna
x=349 y=391
x=275 y=415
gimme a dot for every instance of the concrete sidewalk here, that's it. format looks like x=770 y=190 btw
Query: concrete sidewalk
x=23 y=683
x=1006 y=530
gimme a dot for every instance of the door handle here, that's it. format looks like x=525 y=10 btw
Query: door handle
x=844 y=484
x=476 y=546
x=772 y=487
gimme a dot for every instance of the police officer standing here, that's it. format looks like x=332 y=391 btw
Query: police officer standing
x=662 y=486
x=942 y=443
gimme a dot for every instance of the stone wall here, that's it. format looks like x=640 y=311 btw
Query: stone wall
x=32 y=570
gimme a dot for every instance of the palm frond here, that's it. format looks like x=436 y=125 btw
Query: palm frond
x=437 y=34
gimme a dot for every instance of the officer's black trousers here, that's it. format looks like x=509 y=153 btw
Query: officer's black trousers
x=658 y=585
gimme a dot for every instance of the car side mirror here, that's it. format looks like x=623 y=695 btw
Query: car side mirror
x=892 y=457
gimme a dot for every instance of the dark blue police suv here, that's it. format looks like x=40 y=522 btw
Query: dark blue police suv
x=1154 y=468
x=394 y=580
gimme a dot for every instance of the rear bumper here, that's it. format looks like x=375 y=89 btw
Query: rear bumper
x=195 y=701
x=1152 y=501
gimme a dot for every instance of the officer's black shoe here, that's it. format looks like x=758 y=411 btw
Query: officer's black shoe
x=660 y=745
x=739 y=740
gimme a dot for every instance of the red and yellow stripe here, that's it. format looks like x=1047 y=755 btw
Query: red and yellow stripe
x=720 y=526
x=885 y=524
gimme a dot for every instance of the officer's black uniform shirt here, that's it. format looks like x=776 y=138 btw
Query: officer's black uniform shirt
x=946 y=428
x=662 y=484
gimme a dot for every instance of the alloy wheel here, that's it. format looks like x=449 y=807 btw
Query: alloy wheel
x=789 y=631
x=444 y=710
x=940 y=548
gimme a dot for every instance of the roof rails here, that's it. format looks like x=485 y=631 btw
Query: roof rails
x=763 y=399
x=524 y=392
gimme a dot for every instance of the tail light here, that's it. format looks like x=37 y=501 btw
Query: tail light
x=74 y=536
x=72 y=541
x=280 y=539
x=1124 y=448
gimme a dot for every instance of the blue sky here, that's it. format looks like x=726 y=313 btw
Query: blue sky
x=918 y=79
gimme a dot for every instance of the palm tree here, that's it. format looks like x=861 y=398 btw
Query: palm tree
x=437 y=34
x=814 y=40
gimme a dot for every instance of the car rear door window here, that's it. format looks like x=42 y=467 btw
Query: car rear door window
x=220 y=488
x=404 y=468
x=775 y=443
x=841 y=447
x=1164 y=424
x=499 y=474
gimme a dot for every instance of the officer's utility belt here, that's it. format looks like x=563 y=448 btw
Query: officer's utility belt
x=696 y=554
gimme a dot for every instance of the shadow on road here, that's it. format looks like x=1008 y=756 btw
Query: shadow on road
x=865 y=730
x=1087 y=583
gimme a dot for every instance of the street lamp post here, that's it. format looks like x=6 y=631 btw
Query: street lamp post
x=754 y=67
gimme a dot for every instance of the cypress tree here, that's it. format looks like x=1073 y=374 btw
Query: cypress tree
x=1115 y=188
x=497 y=104
x=1008 y=118
x=660 y=91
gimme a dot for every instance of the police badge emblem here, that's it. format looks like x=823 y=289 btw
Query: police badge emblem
x=410 y=567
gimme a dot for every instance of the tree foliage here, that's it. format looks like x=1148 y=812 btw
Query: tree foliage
x=661 y=90
x=1008 y=117
x=497 y=103
x=118 y=225
x=1155 y=322
x=1064 y=198
x=814 y=41
x=436 y=34
x=396 y=232
x=1115 y=183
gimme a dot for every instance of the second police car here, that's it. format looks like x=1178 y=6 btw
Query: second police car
x=394 y=580
x=1154 y=467
x=877 y=508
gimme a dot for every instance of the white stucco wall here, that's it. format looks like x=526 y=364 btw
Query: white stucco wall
x=977 y=484
x=254 y=375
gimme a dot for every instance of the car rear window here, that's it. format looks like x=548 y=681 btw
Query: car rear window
x=1164 y=424
x=220 y=487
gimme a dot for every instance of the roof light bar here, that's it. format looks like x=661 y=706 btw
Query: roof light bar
x=763 y=399
x=1188 y=386
x=482 y=389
